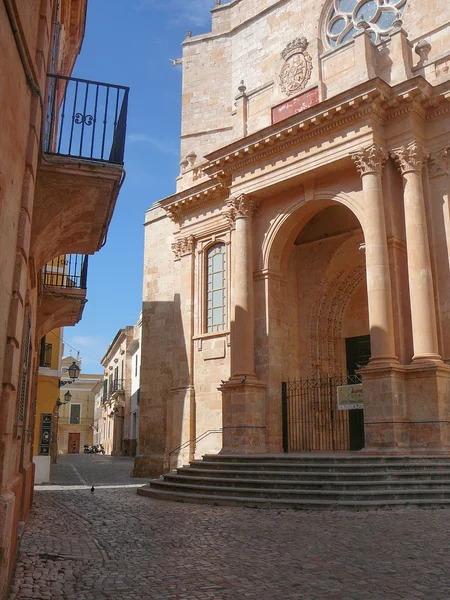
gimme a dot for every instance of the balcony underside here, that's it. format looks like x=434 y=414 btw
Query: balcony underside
x=59 y=308
x=74 y=203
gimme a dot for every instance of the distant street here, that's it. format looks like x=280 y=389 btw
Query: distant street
x=115 y=544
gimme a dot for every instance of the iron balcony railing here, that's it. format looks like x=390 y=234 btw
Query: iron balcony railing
x=117 y=385
x=66 y=271
x=86 y=119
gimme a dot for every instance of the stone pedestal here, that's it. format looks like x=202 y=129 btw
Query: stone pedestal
x=244 y=417
x=407 y=409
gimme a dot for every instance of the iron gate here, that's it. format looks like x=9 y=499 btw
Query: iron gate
x=311 y=419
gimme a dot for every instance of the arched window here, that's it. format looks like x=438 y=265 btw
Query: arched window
x=345 y=15
x=216 y=288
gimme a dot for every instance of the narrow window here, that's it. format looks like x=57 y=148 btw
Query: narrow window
x=75 y=414
x=216 y=290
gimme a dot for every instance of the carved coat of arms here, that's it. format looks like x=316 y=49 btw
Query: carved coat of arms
x=297 y=67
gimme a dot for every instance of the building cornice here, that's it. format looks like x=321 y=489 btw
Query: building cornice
x=373 y=99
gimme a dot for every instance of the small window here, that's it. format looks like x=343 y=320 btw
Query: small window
x=216 y=289
x=136 y=367
x=346 y=15
x=75 y=414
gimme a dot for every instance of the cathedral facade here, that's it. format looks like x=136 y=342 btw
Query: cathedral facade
x=309 y=236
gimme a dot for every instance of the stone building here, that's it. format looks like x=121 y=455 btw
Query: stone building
x=115 y=416
x=76 y=417
x=58 y=188
x=308 y=233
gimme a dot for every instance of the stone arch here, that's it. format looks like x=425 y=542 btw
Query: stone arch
x=285 y=227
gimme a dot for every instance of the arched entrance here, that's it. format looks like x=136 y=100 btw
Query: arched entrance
x=321 y=330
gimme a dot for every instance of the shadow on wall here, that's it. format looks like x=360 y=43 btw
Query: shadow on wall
x=166 y=411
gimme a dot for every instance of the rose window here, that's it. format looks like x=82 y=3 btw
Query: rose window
x=348 y=16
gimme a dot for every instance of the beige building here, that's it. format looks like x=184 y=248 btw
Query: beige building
x=114 y=427
x=76 y=417
x=308 y=236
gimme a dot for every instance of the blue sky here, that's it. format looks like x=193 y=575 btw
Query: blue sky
x=129 y=42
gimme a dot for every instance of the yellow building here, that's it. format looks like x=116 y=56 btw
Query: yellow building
x=64 y=407
x=48 y=392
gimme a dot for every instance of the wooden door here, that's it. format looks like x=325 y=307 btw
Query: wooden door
x=74 y=443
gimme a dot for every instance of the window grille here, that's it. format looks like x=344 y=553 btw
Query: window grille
x=216 y=289
x=346 y=16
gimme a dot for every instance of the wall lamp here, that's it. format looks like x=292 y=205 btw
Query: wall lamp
x=74 y=373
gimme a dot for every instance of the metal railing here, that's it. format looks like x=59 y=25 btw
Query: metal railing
x=194 y=442
x=66 y=271
x=86 y=119
x=118 y=385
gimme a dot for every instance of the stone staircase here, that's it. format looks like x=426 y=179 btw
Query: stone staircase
x=308 y=481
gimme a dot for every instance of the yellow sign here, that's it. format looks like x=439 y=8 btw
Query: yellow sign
x=350 y=397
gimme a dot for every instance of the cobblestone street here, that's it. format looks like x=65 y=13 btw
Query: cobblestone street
x=115 y=544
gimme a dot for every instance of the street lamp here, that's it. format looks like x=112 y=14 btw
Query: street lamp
x=74 y=373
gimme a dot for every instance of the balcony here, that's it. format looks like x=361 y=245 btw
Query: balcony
x=63 y=292
x=117 y=387
x=81 y=170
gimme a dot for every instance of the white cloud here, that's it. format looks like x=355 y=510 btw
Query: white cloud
x=167 y=147
x=191 y=12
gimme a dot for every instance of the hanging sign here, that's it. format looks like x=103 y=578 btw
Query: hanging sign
x=350 y=397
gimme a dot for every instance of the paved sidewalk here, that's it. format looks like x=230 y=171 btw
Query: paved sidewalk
x=116 y=544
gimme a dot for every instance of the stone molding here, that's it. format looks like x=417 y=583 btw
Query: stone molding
x=183 y=246
x=438 y=163
x=240 y=207
x=410 y=158
x=297 y=68
x=370 y=160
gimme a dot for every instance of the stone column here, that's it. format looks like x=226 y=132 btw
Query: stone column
x=438 y=174
x=243 y=395
x=240 y=212
x=369 y=163
x=410 y=160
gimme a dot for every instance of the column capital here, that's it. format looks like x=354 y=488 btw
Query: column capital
x=240 y=207
x=370 y=159
x=410 y=158
x=183 y=246
x=438 y=163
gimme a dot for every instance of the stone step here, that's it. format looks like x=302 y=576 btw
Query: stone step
x=306 y=504
x=300 y=475
x=269 y=492
x=310 y=485
x=319 y=467
x=333 y=458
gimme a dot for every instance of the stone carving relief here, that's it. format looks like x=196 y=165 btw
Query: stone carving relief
x=438 y=163
x=410 y=158
x=242 y=206
x=183 y=246
x=297 y=68
x=370 y=160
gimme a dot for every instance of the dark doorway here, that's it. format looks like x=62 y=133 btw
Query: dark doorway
x=358 y=355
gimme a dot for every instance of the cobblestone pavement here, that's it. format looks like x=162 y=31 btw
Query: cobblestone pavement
x=115 y=544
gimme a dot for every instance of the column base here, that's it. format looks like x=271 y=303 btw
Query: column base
x=407 y=409
x=244 y=416
x=426 y=358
